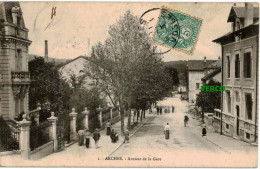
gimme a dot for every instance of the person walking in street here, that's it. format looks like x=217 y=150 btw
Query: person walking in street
x=87 y=142
x=167 y=131
x=186 y=119
x=108 y=125
x=160 y=110
x=204 y=130
x=126 y=136
x=96 y=137
x=172 y=109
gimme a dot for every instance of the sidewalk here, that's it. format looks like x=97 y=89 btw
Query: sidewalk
x=225 y=143
x=75 y=155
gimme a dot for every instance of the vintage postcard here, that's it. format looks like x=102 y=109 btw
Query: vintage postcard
x=129 y=84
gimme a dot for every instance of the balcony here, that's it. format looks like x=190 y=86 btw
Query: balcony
x=21 y=77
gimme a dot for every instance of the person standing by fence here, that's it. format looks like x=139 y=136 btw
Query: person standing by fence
x=96 y=137
x=108 y=125
x=204 y=131
x=186 y=119
x=167 y=131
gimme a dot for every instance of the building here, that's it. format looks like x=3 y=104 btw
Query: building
x=75 y=68
x=240 y=74
x=212 y=72
x=195 y=74
x=14 y=75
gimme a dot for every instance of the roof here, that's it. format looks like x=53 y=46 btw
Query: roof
x=215 y=65
x=69 y=61
x=240 y=13
x=6 y=12
x=199 y=65
x=250 y=28
x=212 y=74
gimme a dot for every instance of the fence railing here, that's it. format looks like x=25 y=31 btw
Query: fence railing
x=39 y=135
x=9 y=138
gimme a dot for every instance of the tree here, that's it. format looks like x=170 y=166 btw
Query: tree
x=47 y=88
x=126 y=66
x=174 y=75
x=209 y=100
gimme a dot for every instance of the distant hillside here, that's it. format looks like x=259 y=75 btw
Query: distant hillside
x=179 y=65
x=57 y=61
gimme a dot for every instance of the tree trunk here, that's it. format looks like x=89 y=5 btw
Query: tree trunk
x=141 y=116
x=129 y=120
x=138 y=114
x=122 y=113
x=144 y=113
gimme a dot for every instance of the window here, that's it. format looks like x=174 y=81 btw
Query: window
x=18 y=60
x=228 y=67
x=197 y=86
x=247 y=65
x=229 y=101
x=249 y=105
x=248 y=136
x=237 y=66
x=227 y=126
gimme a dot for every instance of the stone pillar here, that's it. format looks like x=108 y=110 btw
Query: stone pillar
x=111 y=113
x=86 y=117
x=53 y=121
x=73 y=132
x=24 y=141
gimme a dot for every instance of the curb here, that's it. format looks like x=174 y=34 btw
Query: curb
x=150 y=118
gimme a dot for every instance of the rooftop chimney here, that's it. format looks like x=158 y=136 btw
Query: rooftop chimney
x=249 y=12
x=46 y=51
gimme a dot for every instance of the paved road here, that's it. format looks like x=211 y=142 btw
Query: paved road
x=186 y=147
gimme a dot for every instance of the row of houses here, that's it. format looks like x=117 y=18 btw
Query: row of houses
x=237 y=70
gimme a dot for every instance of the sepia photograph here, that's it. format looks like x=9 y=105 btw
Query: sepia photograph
x=129 y=84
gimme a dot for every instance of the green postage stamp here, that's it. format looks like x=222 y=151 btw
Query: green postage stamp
x=177 y=30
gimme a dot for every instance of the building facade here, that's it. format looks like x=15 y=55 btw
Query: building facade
x=212 y=72
x=195 y=74
x=14 y=75
x=240 y=74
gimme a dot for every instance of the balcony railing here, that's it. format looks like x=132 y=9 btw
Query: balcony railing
x=20 y=76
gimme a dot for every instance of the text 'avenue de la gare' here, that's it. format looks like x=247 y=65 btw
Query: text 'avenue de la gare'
x=134 y=158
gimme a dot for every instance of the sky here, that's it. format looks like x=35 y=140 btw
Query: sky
x=77 y=26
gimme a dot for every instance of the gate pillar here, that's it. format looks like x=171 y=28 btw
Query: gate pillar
x=73 y=132
x=86 y=117
x=53 y=121
x=25 y=137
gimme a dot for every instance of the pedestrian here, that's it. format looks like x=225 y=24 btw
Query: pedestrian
x=167 y=131
x=160 y=110
x=165 y=110
x=116 y=137
x=172 y=109
x=81 y=134
x=112 y=136
x=87 y=142
x=126 y=136
x=96 y=137
x=186 y=119
x=108 y=125
x=204 y=131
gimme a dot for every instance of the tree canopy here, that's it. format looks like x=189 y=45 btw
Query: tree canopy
x=126 y=67
x=209 y=100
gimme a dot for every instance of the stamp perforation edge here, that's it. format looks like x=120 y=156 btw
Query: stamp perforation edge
x=195 y=44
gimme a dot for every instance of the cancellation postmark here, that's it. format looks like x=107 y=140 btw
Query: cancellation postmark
x=177 y=30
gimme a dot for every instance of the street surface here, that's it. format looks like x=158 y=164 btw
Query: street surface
x=149 y=148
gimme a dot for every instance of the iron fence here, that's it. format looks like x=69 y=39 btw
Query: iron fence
x=9 y=137
x=39 y=135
